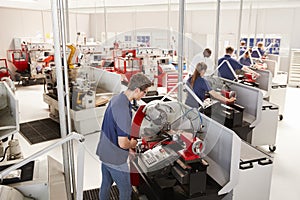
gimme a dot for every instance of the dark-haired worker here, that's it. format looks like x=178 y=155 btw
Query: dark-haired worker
x=115 y=143
x=202 y=57
x=201 y=87
x=259 y=52
x=245 y=59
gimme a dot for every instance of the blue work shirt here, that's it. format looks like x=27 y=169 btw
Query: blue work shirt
x=116 y=123
x=255 y=53
x=242 y=50
x=224 y=70
x=200 y=88
x=245 y=61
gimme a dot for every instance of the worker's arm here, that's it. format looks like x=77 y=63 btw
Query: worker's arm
x=221 y=98
x=125 y=143
x=247 y=69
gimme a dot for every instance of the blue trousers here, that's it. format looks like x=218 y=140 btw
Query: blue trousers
x=118 y=174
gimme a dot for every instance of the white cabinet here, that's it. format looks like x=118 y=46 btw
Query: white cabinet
x=294 y=73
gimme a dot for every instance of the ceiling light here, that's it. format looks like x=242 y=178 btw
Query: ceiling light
x=24 y=0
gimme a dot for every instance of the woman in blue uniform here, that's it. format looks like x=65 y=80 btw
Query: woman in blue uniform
x=201 y=87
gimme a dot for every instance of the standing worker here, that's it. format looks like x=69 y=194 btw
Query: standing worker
x=200 y=86
x=243 y=47
x=115 y=143
x=202 y=57
x=226 y=72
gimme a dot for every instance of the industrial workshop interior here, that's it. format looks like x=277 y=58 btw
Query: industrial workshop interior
x=218 y=121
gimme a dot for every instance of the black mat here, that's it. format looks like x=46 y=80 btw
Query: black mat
x=40 y=130
x=93 y=194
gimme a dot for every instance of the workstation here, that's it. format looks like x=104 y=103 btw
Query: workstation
x=57 y=83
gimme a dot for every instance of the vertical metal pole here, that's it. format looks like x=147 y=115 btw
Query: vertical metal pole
x=105 y=20
x=180 y=47
x=69 y=155
x=96 y=24
x=217 y=33
x=239 y=29
x=249 y=25
x=256 y=23
x=80 y=171
x=169 y=26
x=67 y=21
x=44 y=35
x=60 y=91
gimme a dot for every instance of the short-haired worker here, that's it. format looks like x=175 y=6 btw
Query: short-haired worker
x=245 y=59
x=202 y=57
x=226 y=72
x=200 y=86
x=114 y=144
x=259 y=52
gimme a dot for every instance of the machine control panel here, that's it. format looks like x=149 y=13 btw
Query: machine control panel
x=157 y=158
x=156 y=155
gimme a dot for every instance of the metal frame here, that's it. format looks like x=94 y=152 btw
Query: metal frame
x=80 y=159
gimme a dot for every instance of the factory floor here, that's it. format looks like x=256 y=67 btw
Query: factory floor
x=286 y=174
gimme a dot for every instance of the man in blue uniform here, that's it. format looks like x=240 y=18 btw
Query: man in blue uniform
x=229 y=73
x=200 y=86
x=245 y=59
x=259 y=52
x=114 y=144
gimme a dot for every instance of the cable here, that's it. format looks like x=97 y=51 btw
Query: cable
x=4 y=153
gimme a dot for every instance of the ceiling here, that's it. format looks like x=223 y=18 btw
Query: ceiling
x=91 y=6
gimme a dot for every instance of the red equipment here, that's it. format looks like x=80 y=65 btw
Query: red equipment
x=193 y=147
x=228 y=94
x=48 y=59
x=249 y=78
x=19 y=58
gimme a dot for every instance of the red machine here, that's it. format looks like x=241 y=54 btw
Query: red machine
x=48 y=59
x=193 y=148
x=127 y=64
x=228 y=94
x=20 y=58
x=250 y=79
x=166 y=154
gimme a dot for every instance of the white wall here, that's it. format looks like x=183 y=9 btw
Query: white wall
x=20 y=23
x=199 y=24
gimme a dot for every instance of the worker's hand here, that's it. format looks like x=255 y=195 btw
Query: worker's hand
x=132 y=154
x=133 y=143
x=255 y=75
x=255 y=66
x=231 y=100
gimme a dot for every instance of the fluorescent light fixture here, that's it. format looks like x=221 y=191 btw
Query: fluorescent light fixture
x=24 y=1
